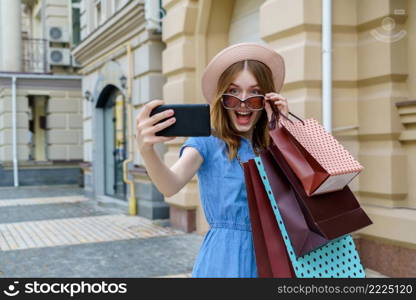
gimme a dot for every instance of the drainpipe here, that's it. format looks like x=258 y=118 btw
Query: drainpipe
x=327 y=64
x=132 y=198
x=47 y=67
x=15 y=173
x=130 y=141
x=152 y=11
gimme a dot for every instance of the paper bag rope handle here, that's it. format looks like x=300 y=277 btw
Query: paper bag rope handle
x=277 y=112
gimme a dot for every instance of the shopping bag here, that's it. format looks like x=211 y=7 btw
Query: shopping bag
x=320 y=162
x=338 y=258
x=331 y=214
x=302 y=236
x=272 y=259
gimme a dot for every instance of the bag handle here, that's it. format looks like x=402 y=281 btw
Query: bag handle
x=277 y=112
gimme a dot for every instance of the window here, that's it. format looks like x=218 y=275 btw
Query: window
x=98 y=13
x=116 y=4
x=76 y=22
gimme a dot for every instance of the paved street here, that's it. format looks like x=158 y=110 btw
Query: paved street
x=57 y=232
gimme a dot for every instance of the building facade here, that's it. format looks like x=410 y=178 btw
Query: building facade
x=373 y=97
x=40 y=94
x=126 y=57
x=121 y=56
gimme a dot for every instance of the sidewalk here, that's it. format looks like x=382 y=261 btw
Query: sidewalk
x=64 y=234
x=57 y=232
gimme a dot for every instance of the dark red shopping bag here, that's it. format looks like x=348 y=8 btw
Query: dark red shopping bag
x=302 y=236
x=272 y=259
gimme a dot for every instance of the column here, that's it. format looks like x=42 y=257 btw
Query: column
x=179 y=68
x=11 y=56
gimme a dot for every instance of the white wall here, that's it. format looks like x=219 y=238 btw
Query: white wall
x=1 y=55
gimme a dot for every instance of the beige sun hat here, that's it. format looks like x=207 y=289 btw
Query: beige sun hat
x=236 y=53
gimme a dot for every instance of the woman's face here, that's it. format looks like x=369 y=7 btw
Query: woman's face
x=243 y=86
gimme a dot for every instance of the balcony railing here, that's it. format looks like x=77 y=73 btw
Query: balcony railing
x=34 y=56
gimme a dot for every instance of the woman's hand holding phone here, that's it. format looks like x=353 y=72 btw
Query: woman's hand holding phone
x=146 y=125
x=168 y=181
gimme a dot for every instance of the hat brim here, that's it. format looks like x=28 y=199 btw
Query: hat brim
x=236 y=53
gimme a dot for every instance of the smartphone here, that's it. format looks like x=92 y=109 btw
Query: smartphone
x=191 y=120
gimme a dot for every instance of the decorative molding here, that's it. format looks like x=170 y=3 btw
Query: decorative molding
x=33 y=164
x=44 y=84
x=139 y=171
x=85 y=165
x=120 y=28
x=407 y=113
x=406 y=103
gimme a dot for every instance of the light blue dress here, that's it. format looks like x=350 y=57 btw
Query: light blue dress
x=227 y=249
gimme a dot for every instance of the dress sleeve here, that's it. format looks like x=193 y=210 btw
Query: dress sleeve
x=199 y=143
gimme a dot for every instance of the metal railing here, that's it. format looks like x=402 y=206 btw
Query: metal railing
x=34 y=56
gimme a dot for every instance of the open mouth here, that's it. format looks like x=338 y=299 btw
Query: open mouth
x=243 y=117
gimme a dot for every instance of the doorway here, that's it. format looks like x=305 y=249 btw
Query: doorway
x=114 y=145
x=37 y=128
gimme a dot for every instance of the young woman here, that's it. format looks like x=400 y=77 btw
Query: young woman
x=241 y=83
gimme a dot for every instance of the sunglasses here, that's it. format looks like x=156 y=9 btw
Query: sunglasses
x=252 y=103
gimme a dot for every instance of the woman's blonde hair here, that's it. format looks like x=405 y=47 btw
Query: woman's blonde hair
x=220 y=120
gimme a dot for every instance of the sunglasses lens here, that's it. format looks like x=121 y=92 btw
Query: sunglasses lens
x=230 y=101
x=255 y=102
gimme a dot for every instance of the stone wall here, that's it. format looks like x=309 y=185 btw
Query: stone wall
x=6 y=125
x=64 y=126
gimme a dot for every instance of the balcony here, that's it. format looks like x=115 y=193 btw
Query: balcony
x=35 y=55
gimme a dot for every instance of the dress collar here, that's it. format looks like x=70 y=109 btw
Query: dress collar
x=245 y=139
